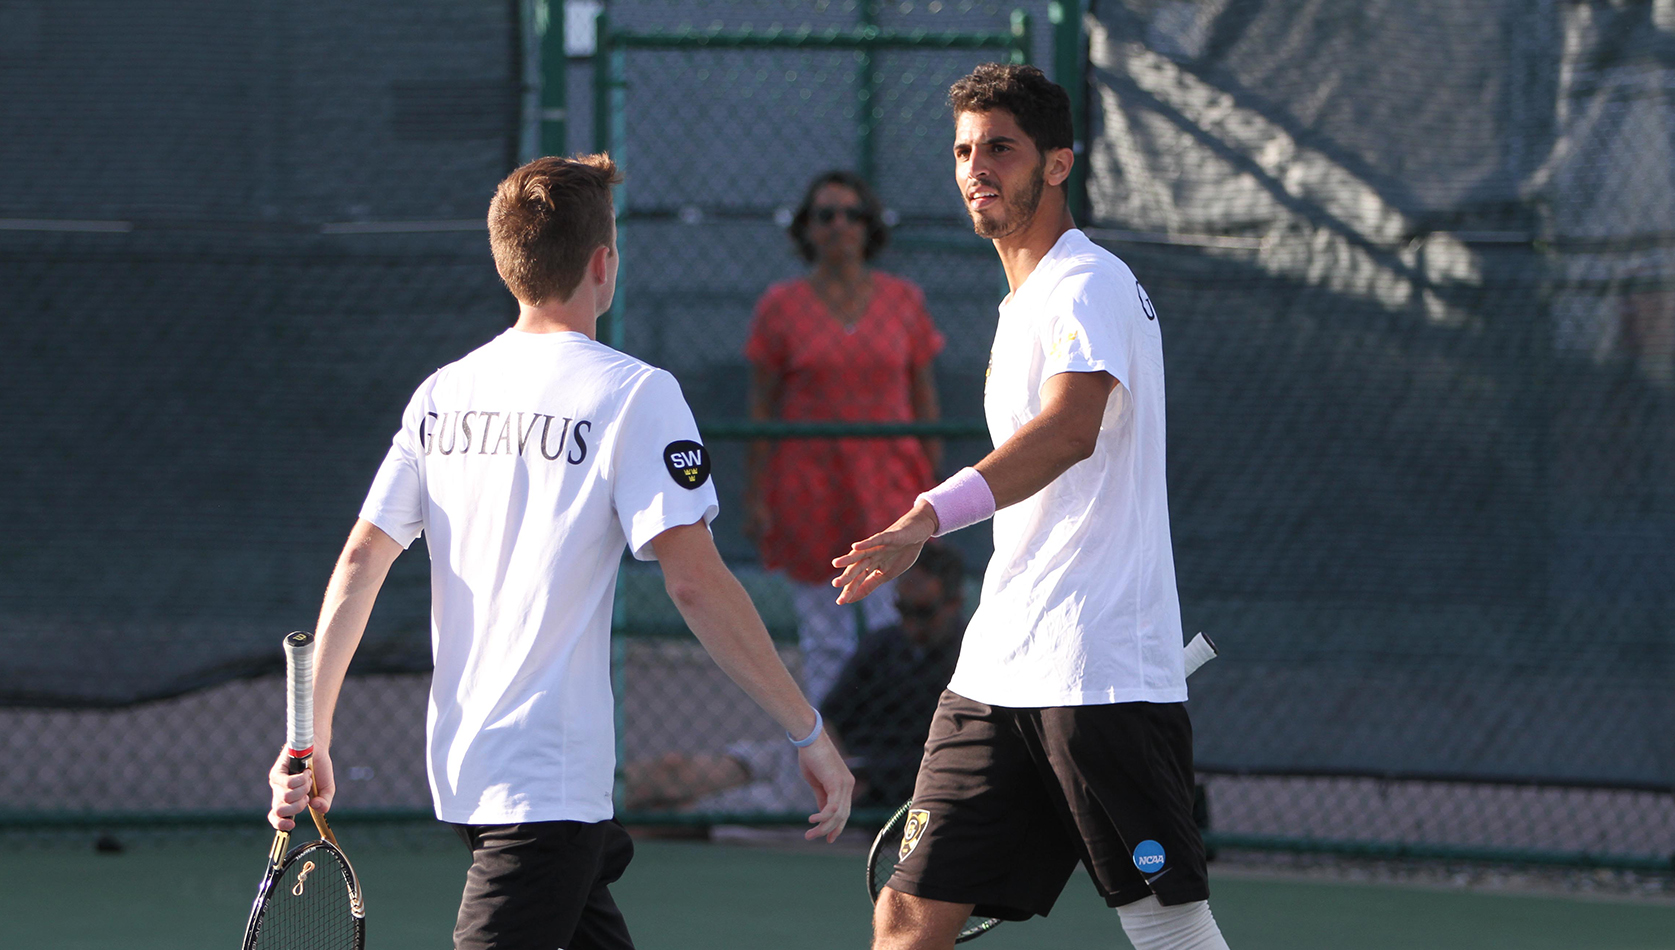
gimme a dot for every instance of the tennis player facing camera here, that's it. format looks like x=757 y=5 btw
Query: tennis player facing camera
x=529 y=465
x=1062 y=736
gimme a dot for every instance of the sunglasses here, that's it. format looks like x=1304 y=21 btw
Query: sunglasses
x=853 y=215
x=917 y=611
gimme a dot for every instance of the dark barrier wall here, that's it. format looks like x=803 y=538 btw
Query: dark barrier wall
x=234 y=238
x=207 y=338
x=1414 y=263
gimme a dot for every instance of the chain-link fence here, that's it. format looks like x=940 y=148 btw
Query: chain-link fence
x=224 y=273
x=1417 y=307
x=1420 y=407
x=721 y=298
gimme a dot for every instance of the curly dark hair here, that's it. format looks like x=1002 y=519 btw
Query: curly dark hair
x=1041 y=106
x=878 y=233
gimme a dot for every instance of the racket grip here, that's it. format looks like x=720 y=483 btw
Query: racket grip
x=293 y=765
x=299 y=715
x=1199 y=652
x=299 y=696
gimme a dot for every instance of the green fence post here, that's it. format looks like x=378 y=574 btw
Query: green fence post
x=1066 y=17
x=617 y=327
x=866 y=93
x=1020 y=37
x=1020 y=55
x=601 y=82
x=610 y=135
x=554 y=65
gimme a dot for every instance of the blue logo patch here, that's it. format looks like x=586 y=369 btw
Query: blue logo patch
x=1148 y=857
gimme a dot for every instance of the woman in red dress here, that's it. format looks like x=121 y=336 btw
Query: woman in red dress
x=846 y=343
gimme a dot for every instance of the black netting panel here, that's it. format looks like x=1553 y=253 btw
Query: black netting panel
x=1414 y=265
x=211 y=331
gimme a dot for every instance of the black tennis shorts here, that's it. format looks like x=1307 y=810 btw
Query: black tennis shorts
x=1010 y=800
x=543 y=885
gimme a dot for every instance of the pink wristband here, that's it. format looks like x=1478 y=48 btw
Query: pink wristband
x=961 y=501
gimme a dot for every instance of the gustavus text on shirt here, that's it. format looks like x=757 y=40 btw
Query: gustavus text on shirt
x=479 y=432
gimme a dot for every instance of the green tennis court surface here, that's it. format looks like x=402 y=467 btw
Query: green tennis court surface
x=694 y=896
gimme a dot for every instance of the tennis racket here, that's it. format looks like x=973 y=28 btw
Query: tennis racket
x=1199 y=652
x=903 y=829
x=309 y=898
x=892 y=844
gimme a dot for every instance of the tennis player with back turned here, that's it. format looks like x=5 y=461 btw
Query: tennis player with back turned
x=1062 y=735
x=529 y=465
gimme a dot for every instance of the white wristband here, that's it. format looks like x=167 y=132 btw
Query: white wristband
x=961 y=501
x=819 y=724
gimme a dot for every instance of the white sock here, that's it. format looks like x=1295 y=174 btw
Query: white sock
x=1152 y=926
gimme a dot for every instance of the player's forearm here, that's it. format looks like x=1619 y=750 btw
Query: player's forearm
x=350 y=595
x=1065 y=432
x=720 y=614
x=716 y=607
x=1035 y=455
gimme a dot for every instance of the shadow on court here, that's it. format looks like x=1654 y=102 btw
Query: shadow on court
x=692 y=896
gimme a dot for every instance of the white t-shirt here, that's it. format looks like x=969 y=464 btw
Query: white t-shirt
x=1079 y=603
x=528 y=465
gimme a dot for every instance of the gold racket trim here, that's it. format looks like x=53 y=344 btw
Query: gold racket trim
x=276 y=854
x=319 y=818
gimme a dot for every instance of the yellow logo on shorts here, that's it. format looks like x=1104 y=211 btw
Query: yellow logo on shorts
x=918 y=820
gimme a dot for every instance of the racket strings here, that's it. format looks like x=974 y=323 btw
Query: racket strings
x=309 y=907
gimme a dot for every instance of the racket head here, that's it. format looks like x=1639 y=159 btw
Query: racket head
x=885 y=853
x=309 y=900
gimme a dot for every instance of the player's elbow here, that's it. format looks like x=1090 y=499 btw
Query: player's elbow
x=688 y=589
x=685 y=595
x=368 y=547
x=1079 y=445
x=692 y=567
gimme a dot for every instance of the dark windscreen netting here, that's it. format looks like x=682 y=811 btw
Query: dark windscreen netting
x=232 y=241
x=1416 y=265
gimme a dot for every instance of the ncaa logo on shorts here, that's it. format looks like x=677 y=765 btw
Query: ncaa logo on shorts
x=1148 y=857
x=918 y=820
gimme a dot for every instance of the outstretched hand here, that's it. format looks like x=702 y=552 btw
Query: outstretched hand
x=884 y=556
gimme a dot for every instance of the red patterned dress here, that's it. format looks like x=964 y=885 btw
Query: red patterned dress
x=825 y=494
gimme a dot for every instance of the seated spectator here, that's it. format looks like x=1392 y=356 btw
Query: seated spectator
x=878 y=711
x=880 y=707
